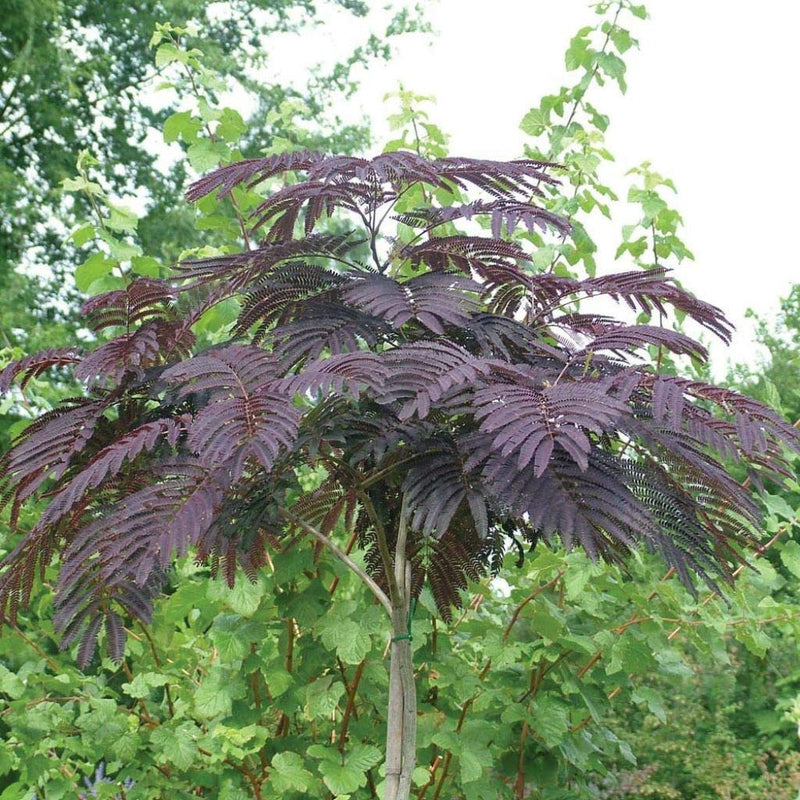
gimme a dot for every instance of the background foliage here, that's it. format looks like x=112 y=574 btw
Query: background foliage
x=586 y=683
x=80 y=75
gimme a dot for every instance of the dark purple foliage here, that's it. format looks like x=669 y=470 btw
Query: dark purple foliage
x=429 y=372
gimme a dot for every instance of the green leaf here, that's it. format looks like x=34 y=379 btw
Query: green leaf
x=7 y=762
x=543 y=256
x=534 y=122
x=182 y=125
x=754 y=639
x=579 y=53
x=550 y=719
x=471 y=767
x=348 y=638
x=214 y=697
x=622 y=39
x=243 y=735
x=653 y=205
x=322 y=696
x=142 y=683
x=289 y=775
x=81 y=184
x=546 y=624
x=790 y=556
x=144 y=265
x=363 y=757
x=231 y=125
x=10 y=684
x=341 y=778
x=232 y=791
x=421 y=776
x=176 y=746
x=83 y=234
x=345 y=775
x=280 y=681
x=244 y=598
x=95 y=267
x=613 y=66
x=325 y=753
x=167 y=53
x=207 y=112
x=652 y=699
x=218 y=317
x=121 y=219
x=545 y=561
x=777 y=505
x=306 y=606
x=126 y=747
x=205 y=155
x=57 y=788
x=119 y=250
x=630 y=655
x=226 y=635
x=188 y=600
x=100 y=723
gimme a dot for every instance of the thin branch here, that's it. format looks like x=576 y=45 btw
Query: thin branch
x=549 y=585
x=448 y=756
x=519 y=783
x=344 y=558
x=350 y=708
x=283 y=722
x=350 y=544
x=383 y=546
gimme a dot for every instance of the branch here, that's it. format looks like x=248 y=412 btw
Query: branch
x=383 y=546
x=344 y=558
x=549 y=585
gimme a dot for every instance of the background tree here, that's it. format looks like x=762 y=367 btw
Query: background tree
x=775 y=377
x=72 y=77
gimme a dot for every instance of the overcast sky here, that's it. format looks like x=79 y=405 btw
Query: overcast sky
x=710 y=102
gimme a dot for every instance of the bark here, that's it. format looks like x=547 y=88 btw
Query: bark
x=401 y=723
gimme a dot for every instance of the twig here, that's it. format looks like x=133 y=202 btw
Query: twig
x=350 y=707
x=549 y=585
x=344 y=558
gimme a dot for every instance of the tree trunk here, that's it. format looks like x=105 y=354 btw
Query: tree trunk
x=401 y=719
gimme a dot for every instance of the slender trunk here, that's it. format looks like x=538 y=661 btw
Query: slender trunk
x=401 y=721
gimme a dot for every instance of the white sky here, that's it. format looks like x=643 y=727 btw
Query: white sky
x=710 y=103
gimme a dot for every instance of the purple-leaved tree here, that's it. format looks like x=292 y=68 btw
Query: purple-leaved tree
x=456 y=399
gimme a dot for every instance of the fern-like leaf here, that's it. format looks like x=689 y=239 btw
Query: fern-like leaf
x=505 y=215
x=238 y=271
x=467 y=254
x=529 y=421
x=250 y=172
x=107 y=463
x=432 y=300
x=143 y=299
x=245 y=416
x=45 y=449
x=33 y=366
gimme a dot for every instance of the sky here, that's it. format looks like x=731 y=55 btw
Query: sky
x=710 y=103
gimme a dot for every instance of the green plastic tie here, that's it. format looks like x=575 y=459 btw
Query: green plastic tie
x=408 y=635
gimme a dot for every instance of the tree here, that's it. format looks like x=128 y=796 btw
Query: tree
x=452 y=399
x=775 y=379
